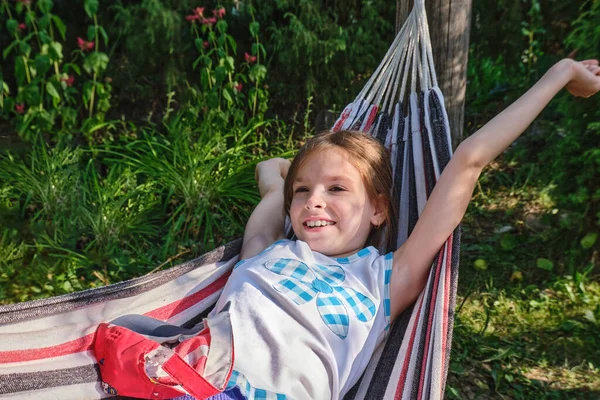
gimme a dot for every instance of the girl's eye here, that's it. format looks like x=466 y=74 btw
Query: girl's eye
x=337 y=189
x=300 y=189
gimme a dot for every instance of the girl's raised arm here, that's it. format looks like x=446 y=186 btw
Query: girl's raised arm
x=450 y=197
x=266 y=224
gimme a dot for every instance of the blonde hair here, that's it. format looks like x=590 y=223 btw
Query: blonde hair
x=371 y=160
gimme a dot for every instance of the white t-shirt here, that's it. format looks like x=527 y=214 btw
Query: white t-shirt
x=305 y=325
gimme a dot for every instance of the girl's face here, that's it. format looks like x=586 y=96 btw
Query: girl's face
x=331 y=210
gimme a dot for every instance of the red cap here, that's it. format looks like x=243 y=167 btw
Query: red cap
x=123 y=355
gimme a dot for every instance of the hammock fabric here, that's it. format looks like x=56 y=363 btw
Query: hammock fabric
x=45 y=345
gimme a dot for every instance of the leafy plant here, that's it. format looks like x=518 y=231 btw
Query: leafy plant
x=49 y=90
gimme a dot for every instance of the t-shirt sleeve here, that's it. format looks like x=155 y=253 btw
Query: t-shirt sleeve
x=377 y=276
x=382 y=269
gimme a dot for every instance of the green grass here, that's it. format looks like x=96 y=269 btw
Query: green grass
x=73 y=218
x=525 y=328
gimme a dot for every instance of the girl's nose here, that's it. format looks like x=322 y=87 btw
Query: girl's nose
x=314 y=201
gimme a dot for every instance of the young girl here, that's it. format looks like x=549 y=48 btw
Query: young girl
x=307 y=314
x=300 y=319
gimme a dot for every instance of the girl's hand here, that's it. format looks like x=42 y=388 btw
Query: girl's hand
x=266 y=224
x=585 y=79
x=270 y=174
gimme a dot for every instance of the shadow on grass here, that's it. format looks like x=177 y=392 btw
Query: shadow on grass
x=528 y=364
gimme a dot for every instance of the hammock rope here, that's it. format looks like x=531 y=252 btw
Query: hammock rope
x=45 y=345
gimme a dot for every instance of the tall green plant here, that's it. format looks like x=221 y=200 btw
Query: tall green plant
x=222 y=82
x=206 y=179
x=49 y=90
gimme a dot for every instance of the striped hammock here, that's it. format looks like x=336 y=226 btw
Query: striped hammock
x=45 y=345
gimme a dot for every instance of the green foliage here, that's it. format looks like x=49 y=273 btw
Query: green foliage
x=323 y=49
x=48 y=94
x=221 y=83
x=521 y=31
x=320 y=49
x=131 y=197
x=153 y=51
x=99 y=215
x=570 y=152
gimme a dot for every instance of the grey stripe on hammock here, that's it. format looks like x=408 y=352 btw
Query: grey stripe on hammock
x=28 y=381
x=11 y=313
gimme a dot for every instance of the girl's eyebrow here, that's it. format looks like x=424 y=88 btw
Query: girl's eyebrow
x=333 y=178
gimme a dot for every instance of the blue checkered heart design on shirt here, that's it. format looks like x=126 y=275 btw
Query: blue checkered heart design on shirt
x=325 y=283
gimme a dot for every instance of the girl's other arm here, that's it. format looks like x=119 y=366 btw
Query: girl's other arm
x=266 y=224
x=449 y=199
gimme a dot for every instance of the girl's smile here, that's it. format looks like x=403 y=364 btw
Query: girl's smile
x=330 y=208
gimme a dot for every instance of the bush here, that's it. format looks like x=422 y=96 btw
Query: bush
x=97 y=201
x=572 y=153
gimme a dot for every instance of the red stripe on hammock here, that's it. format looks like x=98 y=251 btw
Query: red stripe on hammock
x=371 y=118
x=74 y=346
x=402 y=380
x=342 y=119
x=85 y=343
x=434 y=296
x=165 y=312
x=446 y=305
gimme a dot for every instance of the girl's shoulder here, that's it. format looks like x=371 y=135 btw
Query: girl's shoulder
x=270 y=249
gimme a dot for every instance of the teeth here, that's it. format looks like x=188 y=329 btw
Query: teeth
x=318 y=223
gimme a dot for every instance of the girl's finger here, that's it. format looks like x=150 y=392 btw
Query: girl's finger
x=593 y=68
x=589 y=62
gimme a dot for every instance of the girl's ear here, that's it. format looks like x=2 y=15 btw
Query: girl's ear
x=379 y=212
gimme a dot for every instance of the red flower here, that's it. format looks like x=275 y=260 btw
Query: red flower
x=219 y=12
x=209 y=21
x=249 y=59
x=25 y=2
x=238 y=86
x=205 y=44
x=69 y=81
x=85 y=45
x=199 y=11
x=192 y=17
x=20 y=108
x=22 y=26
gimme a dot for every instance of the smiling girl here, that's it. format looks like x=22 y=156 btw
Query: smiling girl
x=307 y=314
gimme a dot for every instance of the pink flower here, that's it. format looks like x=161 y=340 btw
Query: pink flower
x=209 y=21
x=20 y=108
x=192 y=17
x=85 y=45
x=205 y=44
x=22 y=26
x=69 y=81
x=219 y=12
x=199 y=11
x=238 y=86
x=249 y=59
x=25 y=2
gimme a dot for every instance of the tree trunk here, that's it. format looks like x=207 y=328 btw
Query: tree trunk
x=449 y=28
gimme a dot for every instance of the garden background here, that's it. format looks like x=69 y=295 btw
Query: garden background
x=129 y=132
